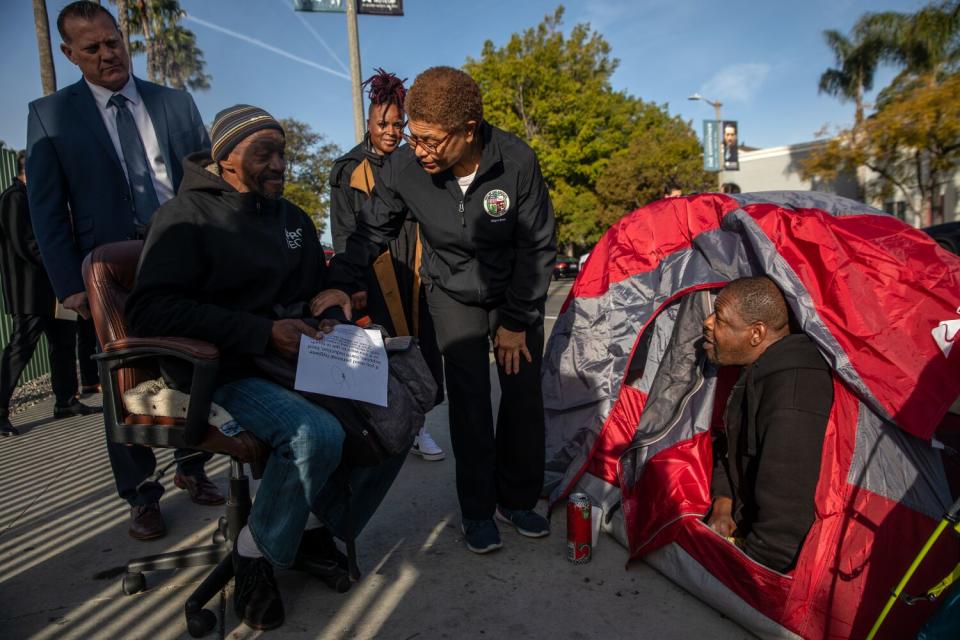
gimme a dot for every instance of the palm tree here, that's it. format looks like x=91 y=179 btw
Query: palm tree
x=856 y=65
x=48 y=75
x=925 y=44
x=173 y=57
x=123 y=18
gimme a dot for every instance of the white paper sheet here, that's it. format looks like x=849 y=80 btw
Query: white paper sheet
x=349 y=362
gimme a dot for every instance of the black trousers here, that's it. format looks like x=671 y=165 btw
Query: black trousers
x=27 y=329
x=494 y=466
x=133 y=464
x=86 y=348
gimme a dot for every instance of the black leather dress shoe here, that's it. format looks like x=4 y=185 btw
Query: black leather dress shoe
x=7 y=429
x=256 y=598
x=75 y=408
x=146 y=522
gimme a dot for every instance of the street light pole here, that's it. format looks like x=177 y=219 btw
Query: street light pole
x=716 y=104
x=353 y=40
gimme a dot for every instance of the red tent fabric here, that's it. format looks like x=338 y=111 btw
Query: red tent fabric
x=631 y=403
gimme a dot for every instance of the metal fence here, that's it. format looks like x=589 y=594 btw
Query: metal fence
x=40 y=363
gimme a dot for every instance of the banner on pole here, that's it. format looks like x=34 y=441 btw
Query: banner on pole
x=731 y=138
x=711 y=145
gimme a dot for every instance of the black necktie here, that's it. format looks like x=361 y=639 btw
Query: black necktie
x=145 y=200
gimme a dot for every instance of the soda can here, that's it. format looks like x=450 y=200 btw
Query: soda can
x=579 y=529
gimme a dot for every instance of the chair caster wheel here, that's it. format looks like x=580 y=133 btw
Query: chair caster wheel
x=219 y=537
x=134 y=583
x=222 y=525
x=200 y=623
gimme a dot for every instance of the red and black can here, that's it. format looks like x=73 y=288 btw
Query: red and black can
x=579 y=529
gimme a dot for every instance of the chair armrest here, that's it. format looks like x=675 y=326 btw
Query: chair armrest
x=204 y=357
x=193 y=349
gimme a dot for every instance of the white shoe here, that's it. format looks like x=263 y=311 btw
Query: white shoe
x=425 y=447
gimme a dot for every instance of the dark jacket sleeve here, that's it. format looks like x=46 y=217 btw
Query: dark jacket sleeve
x=720 y=483
x=380 y=220
x=343 y=205
x=47 y=194
x=17 y=226
x=196 y=121
x=161 y=303
x=536 y=251
x=791 y=422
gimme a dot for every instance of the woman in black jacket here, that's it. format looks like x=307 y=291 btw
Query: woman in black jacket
x=393 y=297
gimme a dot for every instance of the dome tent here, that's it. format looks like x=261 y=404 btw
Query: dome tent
x=631 y=403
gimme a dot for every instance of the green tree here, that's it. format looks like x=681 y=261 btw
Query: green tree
x=309 y=159
x=925 y=44
x=912 y=143
x=857 y=62
x=173 y=57
x=554 y=91
x=663 y=151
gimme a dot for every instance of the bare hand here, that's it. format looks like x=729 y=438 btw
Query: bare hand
x=78 y=302
x=359 y=300
x=328 y=324
x=330 y=298
x=285 y=336
x=721 y=518
x=508 y=346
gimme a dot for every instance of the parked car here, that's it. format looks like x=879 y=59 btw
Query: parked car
x=947 y=235
x=565 y=268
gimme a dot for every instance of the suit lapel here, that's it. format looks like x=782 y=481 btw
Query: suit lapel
x=158 y=115
x=86 y=106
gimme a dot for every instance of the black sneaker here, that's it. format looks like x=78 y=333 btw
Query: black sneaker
x=256 y=598
x=526 y=521
x=482 y=536
x=319 y=556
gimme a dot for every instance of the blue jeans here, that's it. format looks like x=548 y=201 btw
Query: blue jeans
x=302 y=472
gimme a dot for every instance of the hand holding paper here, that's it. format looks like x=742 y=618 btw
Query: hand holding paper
x=349 y=362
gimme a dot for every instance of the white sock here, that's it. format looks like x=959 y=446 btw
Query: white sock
x=246 y=545
x=313 y=522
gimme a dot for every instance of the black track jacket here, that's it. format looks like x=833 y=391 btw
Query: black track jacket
x=493 y=247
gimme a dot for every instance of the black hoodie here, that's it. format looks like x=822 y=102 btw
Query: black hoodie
x=493 y=247
x=220 y=266
x=775 y=422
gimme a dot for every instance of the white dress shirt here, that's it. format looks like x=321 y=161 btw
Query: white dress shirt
x=158 y=168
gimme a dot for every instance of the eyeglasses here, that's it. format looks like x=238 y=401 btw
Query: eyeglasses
x=430 y=147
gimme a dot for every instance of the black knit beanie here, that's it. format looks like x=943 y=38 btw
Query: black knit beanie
x=236 y=123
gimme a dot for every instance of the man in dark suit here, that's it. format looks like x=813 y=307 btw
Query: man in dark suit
x=102 y=155
x=28 y=300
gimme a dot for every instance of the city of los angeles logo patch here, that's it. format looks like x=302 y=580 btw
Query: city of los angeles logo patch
x=496 y=203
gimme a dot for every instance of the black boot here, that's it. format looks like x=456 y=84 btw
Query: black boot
x=256 y=598
x=319 y=556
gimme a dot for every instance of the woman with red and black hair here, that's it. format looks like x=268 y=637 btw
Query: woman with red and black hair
x=394 y=298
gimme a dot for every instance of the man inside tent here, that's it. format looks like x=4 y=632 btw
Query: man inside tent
x=767 y=462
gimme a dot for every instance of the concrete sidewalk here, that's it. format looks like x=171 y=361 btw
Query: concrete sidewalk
x=63 y=543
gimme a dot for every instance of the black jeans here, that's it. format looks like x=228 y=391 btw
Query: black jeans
x=505 y=466
x=27 y=329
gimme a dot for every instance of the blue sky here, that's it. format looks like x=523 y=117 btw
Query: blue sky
x=761 y=59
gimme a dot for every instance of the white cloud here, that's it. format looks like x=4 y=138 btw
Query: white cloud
x=736 y=83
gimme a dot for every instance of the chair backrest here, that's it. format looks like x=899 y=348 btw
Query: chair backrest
x=108 y=274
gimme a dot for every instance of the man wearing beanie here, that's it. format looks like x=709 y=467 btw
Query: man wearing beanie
x=102 y=155
x=226 y=261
